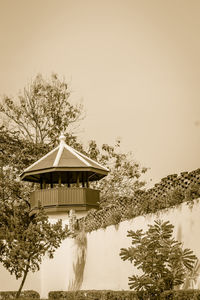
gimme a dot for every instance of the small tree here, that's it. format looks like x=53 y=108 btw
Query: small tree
x=163 y=261
x=25 y=240
x=42 y=111
x=124 y=178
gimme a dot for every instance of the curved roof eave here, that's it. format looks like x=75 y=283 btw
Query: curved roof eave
x=64 y=158
x=63 y=169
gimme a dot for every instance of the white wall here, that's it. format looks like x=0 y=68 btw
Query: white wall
x=55 y=273
x=9 y=283
x=103 y=268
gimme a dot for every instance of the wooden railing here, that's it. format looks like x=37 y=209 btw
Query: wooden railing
x=66 y=198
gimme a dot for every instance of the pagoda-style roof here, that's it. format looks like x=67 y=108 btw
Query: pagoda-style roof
x=66 y=162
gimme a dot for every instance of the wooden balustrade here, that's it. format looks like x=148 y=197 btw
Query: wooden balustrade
x=64 y=199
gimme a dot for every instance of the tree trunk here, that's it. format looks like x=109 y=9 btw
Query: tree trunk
x=22 y=283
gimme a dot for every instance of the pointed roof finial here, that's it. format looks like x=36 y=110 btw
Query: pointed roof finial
x=62 y=138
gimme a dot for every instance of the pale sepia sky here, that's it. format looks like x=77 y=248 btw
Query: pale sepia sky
x=135 y=64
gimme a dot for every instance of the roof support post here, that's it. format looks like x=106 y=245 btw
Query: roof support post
x=87 y=181
x=51 y=180
x=59 y=180
x=83 y=180
x=67 y=180
x=43 y=183
x=78 y=179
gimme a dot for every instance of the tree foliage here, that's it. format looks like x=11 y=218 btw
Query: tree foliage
x=18 y=153
x=23 y=239
x=42 y=111
x=26 y=239
x=162 y=260
x=124 y=178
x=30 y=129
x=15 y=155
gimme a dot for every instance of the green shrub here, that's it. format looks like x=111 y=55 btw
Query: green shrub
x=114 y=218
x=94 y=295
x=123 y=295
x=181 y=295
x=25 y=295
x=192 y=192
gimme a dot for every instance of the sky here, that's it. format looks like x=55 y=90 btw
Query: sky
x=134 y=64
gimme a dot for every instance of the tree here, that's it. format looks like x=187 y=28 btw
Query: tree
x=18 y=152
x=35 y=122
x=30 y=131
x=42 y=111
x=124 y=178
x=26 y=239
x=31 y=126
x=15 y=155
x=163 y=261
x=23 y=239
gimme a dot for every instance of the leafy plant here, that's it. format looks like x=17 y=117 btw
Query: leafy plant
x=192 y=192
x=163 y=261
x=26 y=239
x=176 y=196
x=125 y=176
x=192 y=276
x=42 y=111
x=181 y=295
